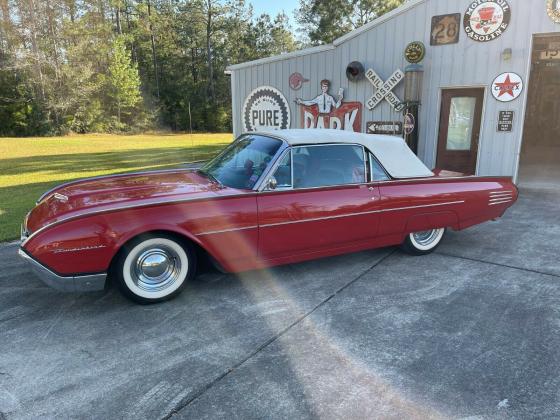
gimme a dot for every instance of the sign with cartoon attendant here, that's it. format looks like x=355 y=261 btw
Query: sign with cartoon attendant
x=385 y=89
x=326 y=111
x=553 y=10
x=266 y=109
x=507 y=87
x=486 y=20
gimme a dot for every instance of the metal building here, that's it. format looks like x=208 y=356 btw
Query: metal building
x=487 y=71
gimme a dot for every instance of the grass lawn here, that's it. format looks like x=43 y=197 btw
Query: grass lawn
x=30 y=166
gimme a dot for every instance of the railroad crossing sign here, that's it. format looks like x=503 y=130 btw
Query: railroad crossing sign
x=385 y=90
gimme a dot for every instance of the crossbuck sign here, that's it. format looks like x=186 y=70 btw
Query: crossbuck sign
x=385 y=89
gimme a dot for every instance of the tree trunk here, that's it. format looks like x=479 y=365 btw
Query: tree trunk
x=154 y=56
x=211 y=90
x=118 y=18
x=33 y=34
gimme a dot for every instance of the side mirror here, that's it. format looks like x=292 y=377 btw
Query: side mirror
x=271 y=184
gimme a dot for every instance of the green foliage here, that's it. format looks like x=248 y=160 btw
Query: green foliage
x=129 y=65
x=124 y=82
x=323 y=21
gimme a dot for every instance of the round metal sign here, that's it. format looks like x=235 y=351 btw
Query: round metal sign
x=297 y=80
x=409 y=123
x=266 y=109
x=415 y=52
x=507 y=87
x=486 y=20
x=553 y=10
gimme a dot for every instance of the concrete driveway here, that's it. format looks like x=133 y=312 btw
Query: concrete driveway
x=470 y=331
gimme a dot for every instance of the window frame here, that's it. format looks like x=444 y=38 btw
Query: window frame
x=371 y=158
x=290 y=149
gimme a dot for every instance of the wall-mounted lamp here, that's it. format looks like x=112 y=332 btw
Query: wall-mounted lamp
x=506 y=54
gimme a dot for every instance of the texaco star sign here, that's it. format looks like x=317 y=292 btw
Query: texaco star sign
x=385 y=89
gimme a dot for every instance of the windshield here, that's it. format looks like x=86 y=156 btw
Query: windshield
x=242 y=163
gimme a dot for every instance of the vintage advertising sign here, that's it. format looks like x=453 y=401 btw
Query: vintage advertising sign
x=507 y=87
x=297 y=80
x=266 y=109
x=553 y=10
x=409 y=123
x=486 y=20
x=385 y=90
x=325 y=111
x=384 y=127
x=505 y=121
x=445 y=29
x=415 y=52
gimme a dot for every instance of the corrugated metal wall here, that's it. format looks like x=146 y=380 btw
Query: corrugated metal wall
x=381 y=47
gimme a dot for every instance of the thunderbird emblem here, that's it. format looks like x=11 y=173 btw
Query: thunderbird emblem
x=60 y=197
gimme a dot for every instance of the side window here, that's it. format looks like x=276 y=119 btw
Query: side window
x=377 y=171
x=283 y=172
x=323 y=166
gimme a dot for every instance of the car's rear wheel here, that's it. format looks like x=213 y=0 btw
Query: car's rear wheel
x=421 y=243
x=153 y=269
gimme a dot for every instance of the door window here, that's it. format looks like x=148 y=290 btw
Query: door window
x=461 y=121
x=377 y=171
x=323 y=166
x=283 y=173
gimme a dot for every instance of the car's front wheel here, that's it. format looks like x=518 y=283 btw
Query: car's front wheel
x=153 y=269
x=421 y=243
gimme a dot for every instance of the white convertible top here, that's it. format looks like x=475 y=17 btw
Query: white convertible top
x=393 y=153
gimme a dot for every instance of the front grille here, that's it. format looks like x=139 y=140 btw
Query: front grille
x=500 y=197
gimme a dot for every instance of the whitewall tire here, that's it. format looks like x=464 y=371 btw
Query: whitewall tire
x=153 y=269
x=421 y=243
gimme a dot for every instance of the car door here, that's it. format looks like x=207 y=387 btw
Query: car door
x=322 y=201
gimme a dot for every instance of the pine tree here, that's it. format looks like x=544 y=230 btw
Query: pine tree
x=123 y=79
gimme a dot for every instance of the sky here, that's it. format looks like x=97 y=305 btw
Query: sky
x=273 y=7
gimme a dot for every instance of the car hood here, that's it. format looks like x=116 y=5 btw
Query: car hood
x=114 y=192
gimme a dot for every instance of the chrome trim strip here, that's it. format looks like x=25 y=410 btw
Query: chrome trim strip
x=501 y=195
x=500 y=202
x=360 y=214
x=212 y=232
x=249 y=193
x=95 y=178
x=76 y=283
x=500 y=199
x=436 y=178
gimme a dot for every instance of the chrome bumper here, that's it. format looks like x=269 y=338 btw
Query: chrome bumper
x=85 y=283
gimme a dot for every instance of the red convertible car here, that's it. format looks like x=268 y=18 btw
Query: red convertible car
x=267 y=199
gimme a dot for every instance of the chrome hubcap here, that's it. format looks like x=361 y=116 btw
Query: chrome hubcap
x=426 y=237
x=156 y=269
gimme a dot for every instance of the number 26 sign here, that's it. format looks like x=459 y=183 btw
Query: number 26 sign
x=445 y=29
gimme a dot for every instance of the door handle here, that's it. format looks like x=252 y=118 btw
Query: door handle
x=371 y=188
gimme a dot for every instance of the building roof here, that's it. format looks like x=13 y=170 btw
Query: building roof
x=313 y=50
x=393 y=153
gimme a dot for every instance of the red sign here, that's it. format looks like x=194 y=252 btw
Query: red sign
x=346 y=117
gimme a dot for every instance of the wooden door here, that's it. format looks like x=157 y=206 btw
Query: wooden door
x=459 y=129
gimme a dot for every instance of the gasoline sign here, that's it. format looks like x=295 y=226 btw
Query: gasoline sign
x=266 y=109
x=553 y=10
x=486 y=20
x=507 y=87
